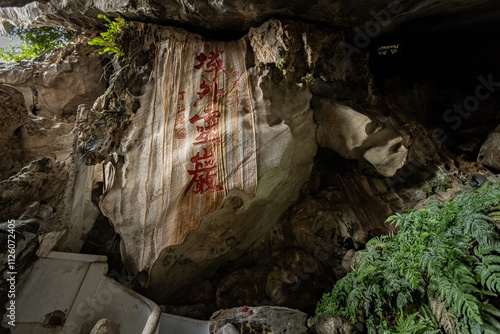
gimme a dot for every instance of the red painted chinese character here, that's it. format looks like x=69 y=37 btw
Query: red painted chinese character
x=180 y=133
x=218 y=92
x=208 y=135
x=206 y=89
x=216 y=64
x=211 y=118
x=204 y=174
x=201 y=58
x=209 y=132
x=182 y=94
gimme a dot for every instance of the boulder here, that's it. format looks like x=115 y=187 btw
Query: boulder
x=489 y=154
x=13 y=114
x=259 y=320
x=330 y=324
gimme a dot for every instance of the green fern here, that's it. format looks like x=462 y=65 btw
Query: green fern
x=435 y=275
x=110 y=36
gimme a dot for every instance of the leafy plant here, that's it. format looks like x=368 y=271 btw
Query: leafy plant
x=307 y=79
x=436 y=275
x=280 y=63
x=34 y=42
x=110 y=36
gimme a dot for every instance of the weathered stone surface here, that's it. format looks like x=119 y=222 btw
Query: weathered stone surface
x=260 y=166
x=13 y=115
x=330 y=324
x=232 y=15
x=259 y=320
x=42 y=180
x=46 y=128
x=243 y=243
x=489 y=153
x=21 y=232
x=355 y=136
x=44 y=85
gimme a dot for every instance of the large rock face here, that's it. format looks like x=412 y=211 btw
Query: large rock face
x=236 y=15
x=355 y=136
x=490 y=151
x=200 y=142
x=247 y=160
x=258 y=320
x=13 y=115
x=46 y=125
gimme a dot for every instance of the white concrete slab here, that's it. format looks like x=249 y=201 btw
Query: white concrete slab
x=77 y=257
x=76 y=285
x=174 y=324
x=52 y=285
x=135 y=313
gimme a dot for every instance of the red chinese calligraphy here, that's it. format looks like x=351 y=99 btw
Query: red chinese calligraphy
x=217 y=93
x=205 y=90
x=202 y=58
x=209 y=133
x=179 y=130
x=211 y=118
x=216 y=64
x=204 y=174
x=180 y=133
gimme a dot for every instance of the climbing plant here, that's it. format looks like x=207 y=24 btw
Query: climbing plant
x=438 y=274
x=109 y=37
x=34 y=42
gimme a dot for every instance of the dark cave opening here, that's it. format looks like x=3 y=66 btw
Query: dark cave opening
x=458 y=75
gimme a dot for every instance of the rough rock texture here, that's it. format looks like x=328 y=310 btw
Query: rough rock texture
x=46 y=129
x=24 y=232
x=42 y=180
x=489 y=154
x=329 y=324
x=44 y=84
x=355 y=136
x=259 y=320
x=13 y=115
x=47 y=139
x=262 y=164
x=249 y=166
x=236 y=15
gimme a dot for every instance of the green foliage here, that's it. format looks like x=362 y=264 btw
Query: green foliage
x=307 y=79
x=110 y=36
x=436 y=275
x=280 y=64
x=35 y=42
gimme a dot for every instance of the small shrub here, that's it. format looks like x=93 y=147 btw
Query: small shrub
x=307 y=79
x=437 y=274
x=109 y=37
x=280 y=64
x=35 y=42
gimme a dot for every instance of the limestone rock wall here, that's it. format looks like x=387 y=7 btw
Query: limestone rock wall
x=200 y=142
x=230 y=15
x=14 y=115
x=245 y=167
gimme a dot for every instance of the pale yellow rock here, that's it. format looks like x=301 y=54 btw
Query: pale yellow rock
x=354 y=135
x=152 y=200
